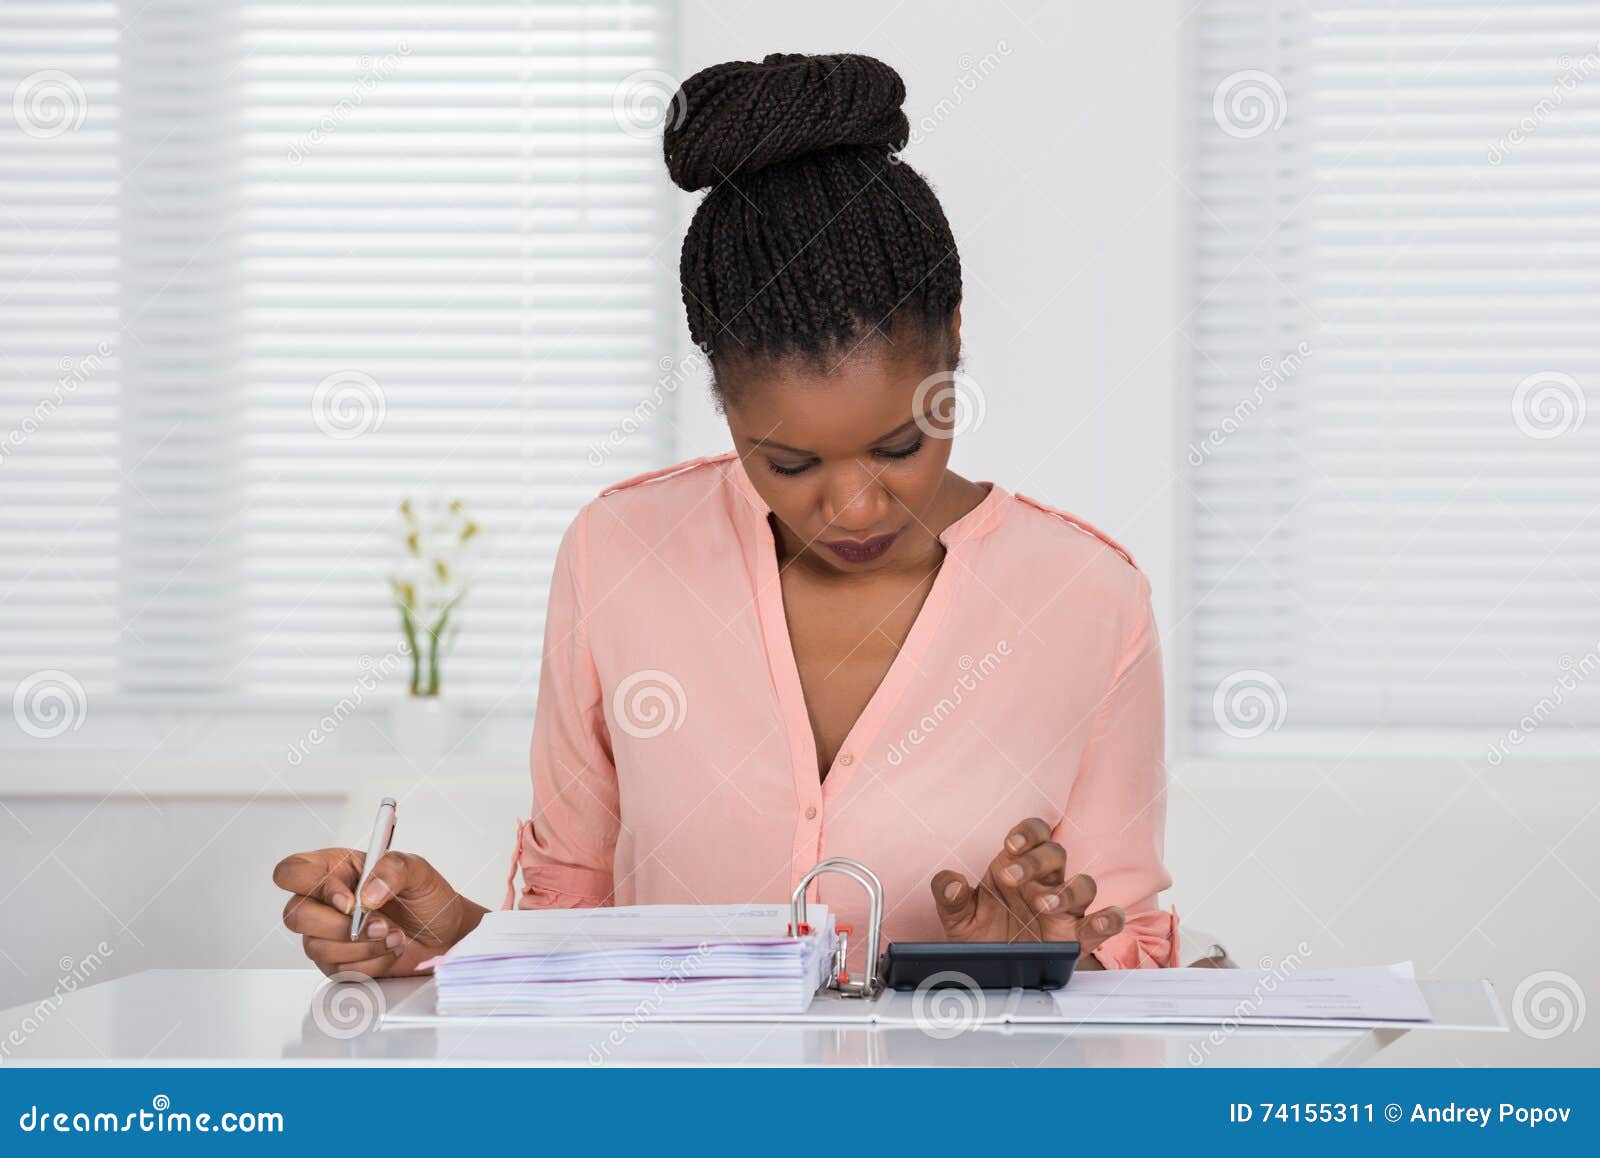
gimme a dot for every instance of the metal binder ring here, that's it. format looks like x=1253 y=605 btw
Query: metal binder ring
x=869 y=985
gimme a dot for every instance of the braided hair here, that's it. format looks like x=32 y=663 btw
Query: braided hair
x=814 y=238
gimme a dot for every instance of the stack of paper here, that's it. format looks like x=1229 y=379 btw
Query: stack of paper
x=641 y=960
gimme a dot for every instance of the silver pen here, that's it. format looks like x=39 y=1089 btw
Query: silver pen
x=382 y=837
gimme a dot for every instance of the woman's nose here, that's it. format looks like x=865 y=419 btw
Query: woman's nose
x=854 y=499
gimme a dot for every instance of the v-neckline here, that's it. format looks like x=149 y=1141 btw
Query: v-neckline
x=814 y=789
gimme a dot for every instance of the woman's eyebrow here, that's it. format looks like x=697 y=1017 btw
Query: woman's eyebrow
x=769 y=444
x=897 y=430
x=765 y=442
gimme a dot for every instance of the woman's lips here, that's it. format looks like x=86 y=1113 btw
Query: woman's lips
x=861 y=550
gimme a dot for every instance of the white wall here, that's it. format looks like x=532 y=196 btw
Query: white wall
x=1060 y=173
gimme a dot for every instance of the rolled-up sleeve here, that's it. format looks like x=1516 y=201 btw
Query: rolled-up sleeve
x=1114 y=826
x=565 y=852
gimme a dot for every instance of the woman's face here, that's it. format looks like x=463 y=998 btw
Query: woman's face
x=851 y=462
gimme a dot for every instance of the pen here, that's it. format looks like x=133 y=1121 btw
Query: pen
x=382 y=836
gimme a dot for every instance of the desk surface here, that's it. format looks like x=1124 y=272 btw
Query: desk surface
x=183 y=1016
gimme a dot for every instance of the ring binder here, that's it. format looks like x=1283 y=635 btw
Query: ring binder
x=869 y=985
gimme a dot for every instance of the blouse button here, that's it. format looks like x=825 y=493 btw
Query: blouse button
x=846 y=758
x=811 y=812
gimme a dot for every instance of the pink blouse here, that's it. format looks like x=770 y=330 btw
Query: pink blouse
x=673 y=759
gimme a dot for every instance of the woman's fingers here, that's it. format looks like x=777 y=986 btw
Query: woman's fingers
x=327 y=874
x=315 y=918
x=400 y=876
x=1041 y=863
x=1026 y=835
x=347 y=954
x=1099 y=926
x=956 y=901
x=1053 y=897
x=1077 y=895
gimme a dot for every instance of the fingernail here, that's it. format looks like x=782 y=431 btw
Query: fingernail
x=1015 y=842
x=377 y=930
x=395 y=940
x=398 y=950
x=952 y=890
x=375 y=892
x=1102 y=924
x=1012 y=873
x=344 y=902
x=1049 y=903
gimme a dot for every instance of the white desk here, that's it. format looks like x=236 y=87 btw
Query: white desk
x=199 y=1016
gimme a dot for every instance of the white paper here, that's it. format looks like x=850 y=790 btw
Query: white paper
x=520 y=932
x=1370 y=993
x=669 y=960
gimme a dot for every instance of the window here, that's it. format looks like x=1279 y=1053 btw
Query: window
x=1395 y=491
x=268 y=268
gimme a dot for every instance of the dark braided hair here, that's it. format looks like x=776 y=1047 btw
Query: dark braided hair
x=815 y=237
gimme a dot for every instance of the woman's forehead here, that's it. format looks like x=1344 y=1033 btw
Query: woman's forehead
x=860 y=402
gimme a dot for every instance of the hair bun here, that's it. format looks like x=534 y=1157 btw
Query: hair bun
x=743 y=116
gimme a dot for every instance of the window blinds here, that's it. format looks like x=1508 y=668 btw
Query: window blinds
x=1394 y=486
x=60 y=365
x=342 y=253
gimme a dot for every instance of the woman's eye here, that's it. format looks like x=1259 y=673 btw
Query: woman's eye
x=779 y=468
x=902 y=452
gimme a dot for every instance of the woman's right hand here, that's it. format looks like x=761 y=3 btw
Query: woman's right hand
x=412 y=912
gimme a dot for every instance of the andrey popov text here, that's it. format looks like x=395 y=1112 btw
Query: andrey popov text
x=1448 y=1114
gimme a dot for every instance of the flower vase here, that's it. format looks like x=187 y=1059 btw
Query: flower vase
x=423 y=729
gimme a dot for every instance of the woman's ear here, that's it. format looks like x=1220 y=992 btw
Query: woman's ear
x=955 y=336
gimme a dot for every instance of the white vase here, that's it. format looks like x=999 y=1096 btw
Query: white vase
x=423 y=729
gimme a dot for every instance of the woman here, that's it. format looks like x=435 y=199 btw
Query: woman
x=826 y=643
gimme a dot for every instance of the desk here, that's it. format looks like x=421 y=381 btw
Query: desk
x=203 y=1016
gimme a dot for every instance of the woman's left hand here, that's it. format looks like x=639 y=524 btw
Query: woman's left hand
x=1025 y=896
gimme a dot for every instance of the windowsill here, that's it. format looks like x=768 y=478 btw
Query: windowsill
x=88 y=774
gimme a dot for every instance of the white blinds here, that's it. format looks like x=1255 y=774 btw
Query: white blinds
x=344 y=253
x=60 y=370
x=1395 y=490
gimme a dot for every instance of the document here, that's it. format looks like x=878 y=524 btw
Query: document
x=1378 y=994
x=673 y=960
